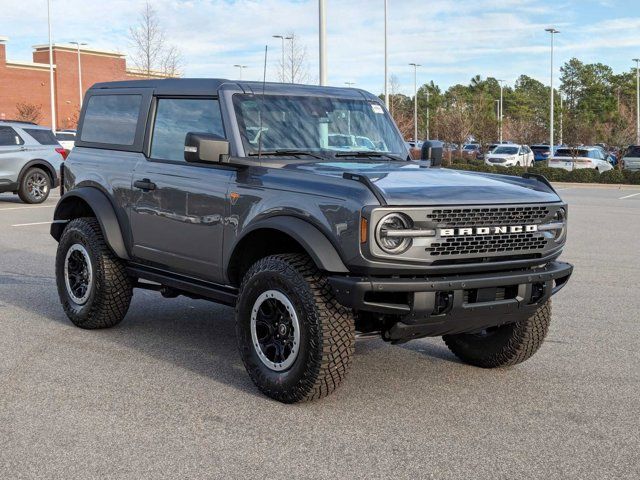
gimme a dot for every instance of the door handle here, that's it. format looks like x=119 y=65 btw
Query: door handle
x=144 y=184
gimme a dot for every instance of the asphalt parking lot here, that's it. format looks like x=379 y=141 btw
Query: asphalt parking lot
x=164 y=395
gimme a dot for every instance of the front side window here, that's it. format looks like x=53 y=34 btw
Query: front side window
x=8 y=137
x=327 y=125
x=177 y=117
x=111 y=119
x=43 y=137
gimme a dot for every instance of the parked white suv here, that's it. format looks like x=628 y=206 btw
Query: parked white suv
x=510 y=155
x=30 y=159
x=570 y=158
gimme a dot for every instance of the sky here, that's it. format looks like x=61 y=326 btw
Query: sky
x=453 y=40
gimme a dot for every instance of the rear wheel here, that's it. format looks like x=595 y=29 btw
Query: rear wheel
x=94 y=288
x=34 y=186
x=296 y=341
x=505 y=345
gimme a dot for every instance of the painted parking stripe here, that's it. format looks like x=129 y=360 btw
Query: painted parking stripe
x=30 y=224
x=629 y=196
x=24 y=208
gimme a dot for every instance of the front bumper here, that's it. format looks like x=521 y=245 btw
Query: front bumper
x=434 y=306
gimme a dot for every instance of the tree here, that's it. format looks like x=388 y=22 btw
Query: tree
x=28 y=112
x=295 y=68
x=152 y=55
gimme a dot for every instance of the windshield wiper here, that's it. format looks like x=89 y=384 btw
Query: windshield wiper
x=287 y=153
x=367 y=154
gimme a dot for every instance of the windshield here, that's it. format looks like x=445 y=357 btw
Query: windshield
x=506 y=150
x=470 y=147
x=315 y=124
x=633 y=152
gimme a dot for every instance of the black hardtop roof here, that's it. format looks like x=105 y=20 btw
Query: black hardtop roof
x=209 y=86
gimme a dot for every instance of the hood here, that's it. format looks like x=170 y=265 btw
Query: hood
x=414 y=183
x=502 y=155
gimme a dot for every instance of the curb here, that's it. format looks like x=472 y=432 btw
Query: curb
x=617 y=186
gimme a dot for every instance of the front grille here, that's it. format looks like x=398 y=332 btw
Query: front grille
x=488 y=216
x=483 y=244
x=497 y=160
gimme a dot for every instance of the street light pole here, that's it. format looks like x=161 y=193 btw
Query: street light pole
x=552 y=31
x=561 y=115
x=415 y=100
x=283 y=38
x=77 y=44
x=240 y=67
x=349 y=84
x=322 y=18
x=53 y=102
x=386 y=60
x=500 y=112
x=637 y=60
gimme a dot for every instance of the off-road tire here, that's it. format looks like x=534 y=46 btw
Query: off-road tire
x=23 y=190
x=503 y=346
x=110 y=291
x=327 y=329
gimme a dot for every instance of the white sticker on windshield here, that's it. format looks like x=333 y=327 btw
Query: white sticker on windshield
x=376 y=108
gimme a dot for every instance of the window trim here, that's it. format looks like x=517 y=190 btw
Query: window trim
x=143 y=115
x=17 y=135
x=151 y=123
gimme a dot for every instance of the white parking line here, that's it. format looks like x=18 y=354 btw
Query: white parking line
x=23 y=208
x=629 y=196
x=29 y=224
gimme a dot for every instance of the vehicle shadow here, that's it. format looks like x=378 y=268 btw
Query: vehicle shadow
x=196 y=335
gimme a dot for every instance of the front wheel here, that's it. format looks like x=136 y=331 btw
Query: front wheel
x=93 y=285
x=505 y=345
x=296 y=341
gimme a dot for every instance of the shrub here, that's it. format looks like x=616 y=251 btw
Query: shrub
x=612 y=176
x=631 y=177
x=584 y=175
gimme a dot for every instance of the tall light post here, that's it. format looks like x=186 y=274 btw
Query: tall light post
x=322 y=20
x=386 y=60
x=78 y=44
x=637 y=60
x=561 y=115
x=552 y=31
x=240 y=68
x=497 y=102
x=415 y=100
x=53 y=101
x=283 y=38
x=501 y=82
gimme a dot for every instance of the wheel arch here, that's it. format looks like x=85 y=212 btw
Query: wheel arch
x=282 y=234
x=90 y=202
x=38 y=163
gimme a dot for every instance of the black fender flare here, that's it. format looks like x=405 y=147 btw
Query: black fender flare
x=68 y=207
x=315 y=243
x=35 y=163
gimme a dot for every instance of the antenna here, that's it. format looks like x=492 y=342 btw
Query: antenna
x=264 y=82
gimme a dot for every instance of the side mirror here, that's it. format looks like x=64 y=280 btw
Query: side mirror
x=432 y=150
x=205 y=147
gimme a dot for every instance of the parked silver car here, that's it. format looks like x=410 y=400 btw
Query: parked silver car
x=30 y=159
x=631 y=160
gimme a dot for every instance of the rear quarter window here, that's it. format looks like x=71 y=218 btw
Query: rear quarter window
x=111 y=119
x=43 y=137
x=634 y=152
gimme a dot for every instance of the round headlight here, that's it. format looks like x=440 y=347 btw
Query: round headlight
x=389 y=233
x=561 y=217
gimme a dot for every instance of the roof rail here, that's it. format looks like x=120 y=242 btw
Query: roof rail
x=26 y=122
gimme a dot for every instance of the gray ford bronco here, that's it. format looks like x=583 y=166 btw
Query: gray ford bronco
x=300 y=207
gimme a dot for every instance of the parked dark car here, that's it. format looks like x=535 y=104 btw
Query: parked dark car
x=169 y=188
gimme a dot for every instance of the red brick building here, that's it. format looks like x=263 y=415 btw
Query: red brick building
x=28 y=82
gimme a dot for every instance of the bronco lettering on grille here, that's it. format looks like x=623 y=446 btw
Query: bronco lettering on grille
x=453 y=232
